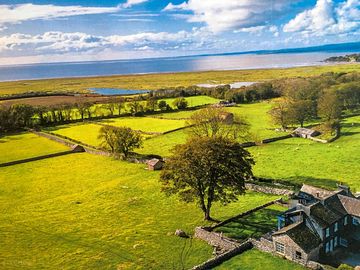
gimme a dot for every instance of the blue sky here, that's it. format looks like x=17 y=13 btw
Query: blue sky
x=78 y=30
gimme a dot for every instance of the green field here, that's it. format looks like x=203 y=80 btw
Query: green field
x=146 y=124
x=157 y=81
x=85 y=133
x=302 y=160
x=254 y=225
x=26 y=145
x=84 y=211
x=257 y=260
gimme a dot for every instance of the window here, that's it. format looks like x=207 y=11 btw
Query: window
x=298 y=255
x=336 y=241
x=346 y=221
x=355 y=221
x=280 y=248
x=336 y=227
x=327 y=247
x=327 y=232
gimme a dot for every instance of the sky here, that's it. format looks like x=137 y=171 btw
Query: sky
x=35 y=31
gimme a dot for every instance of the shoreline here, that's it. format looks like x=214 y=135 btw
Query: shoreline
x=179 y=72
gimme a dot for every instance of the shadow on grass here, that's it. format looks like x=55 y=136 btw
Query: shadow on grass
x=254 y=225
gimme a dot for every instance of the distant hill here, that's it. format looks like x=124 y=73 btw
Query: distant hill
x=347 y=58
x=341 y=47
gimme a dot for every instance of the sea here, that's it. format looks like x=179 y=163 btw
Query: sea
x=164 y=65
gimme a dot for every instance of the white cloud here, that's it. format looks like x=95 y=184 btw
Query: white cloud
x=130 y=3
x=11 y=14
x=222 y=15
x=59 y=42
x=326 y=18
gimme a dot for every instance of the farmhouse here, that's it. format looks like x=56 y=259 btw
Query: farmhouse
x=155 y=164
x=318 y=224
x=305 y=132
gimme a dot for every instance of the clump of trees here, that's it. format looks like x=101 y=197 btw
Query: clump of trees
x=180 y=103
x=119 y=140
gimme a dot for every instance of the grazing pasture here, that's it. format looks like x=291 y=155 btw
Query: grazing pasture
x=257 y=260
x=26 y=145
x=302 y=160
x=83 y=211
x=145 y=124
x=164 y=80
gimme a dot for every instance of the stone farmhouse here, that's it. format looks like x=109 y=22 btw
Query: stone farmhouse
x=318 y=224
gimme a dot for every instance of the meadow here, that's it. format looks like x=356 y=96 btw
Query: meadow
x=146 y=124
x=257 y=260
x=83 y=211
x=164 y=80
x=26 y=145
x=300 y=160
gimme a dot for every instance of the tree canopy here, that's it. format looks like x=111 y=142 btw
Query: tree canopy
x=207 y=170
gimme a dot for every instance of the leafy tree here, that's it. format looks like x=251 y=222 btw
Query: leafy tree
x=83 y=108
x=136 y=108
x=180 y=103
x=329 y=106
x=300 y=111
x=163 y=106
x=207 y=170
x=151 y=104
x=280 y=115
x=209 y=122
x=119 y=104
x=119 y=140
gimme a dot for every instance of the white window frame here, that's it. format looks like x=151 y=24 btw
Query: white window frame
x=336 y=227
x=279 y=247
x=336 y=242
x=327 y=247
x=327 y=232
x=346 y=221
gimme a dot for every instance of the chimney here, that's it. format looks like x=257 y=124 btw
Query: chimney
x=344 y=188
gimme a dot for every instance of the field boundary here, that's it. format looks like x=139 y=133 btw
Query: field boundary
x=26 y=160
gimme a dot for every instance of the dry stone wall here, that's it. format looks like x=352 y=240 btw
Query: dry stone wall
x=269 y=190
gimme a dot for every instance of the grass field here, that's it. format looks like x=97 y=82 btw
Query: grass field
x=26 y=145
x=146 y=124
x=257 y=260
x=90 y=212
x=302 y=160
x=157 y=81
x=85 y=133
x=254 y=225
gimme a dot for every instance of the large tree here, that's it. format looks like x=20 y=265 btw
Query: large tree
x=329 y=106
x=119 y=140
x=207 y=170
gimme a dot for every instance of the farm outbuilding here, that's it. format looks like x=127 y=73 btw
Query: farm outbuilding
x=227 y=118
x=305 y=132
x=155 y=164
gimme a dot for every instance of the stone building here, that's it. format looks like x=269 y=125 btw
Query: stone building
x=155 y=164
x=305 y=132
x=320 y=222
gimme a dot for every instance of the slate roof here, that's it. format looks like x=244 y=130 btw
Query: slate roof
x=301 y=235
x=323 y=215
x=153 y=162
x=351 y=205
x=316 y=192
x=305 y=131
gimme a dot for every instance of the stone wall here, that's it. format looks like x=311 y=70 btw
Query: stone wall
x=263 y=244
x=276 y=139
x=269 y=189
x=216 y=239
x=213 y=262
x=36 y=158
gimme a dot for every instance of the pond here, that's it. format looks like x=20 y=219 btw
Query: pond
x=117 y=91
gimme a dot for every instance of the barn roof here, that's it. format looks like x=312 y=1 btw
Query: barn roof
x=153 y=162
x=323 y=215
x=305 y=131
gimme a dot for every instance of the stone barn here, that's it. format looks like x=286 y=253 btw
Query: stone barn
x=155 y=164
x=305 y=132
x=227 y=118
